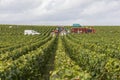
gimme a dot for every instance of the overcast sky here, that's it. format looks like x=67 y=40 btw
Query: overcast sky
x=85 y=12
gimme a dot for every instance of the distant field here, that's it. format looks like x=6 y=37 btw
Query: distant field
x=71 y=57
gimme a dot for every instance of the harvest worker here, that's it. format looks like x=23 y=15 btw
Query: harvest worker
x=89 y=30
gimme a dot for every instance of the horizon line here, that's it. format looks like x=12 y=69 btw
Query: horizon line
x=60 y=24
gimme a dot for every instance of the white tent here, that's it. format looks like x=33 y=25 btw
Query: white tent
x=30 y=32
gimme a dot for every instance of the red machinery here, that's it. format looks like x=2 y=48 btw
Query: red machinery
x=83 y=30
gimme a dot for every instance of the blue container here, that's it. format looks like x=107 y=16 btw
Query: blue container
x=76 y=25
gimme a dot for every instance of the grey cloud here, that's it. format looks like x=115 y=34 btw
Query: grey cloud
x=19 y=6
x=60 y=11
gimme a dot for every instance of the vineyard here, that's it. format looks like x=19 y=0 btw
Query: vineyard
x=92 y=56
